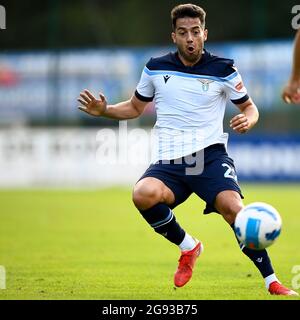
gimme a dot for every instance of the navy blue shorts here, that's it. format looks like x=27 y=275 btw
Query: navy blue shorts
x=218 y=175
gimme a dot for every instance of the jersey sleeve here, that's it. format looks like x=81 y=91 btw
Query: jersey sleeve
x=145 y=88
x=235 y=88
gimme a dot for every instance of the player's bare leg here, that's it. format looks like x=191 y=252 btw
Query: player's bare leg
x=229 y=203
x=153 y=198
x=150 y=191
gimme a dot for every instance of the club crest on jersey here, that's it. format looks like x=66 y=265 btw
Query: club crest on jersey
x=205 y=83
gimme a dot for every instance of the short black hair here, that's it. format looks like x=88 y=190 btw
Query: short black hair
x=188 y=10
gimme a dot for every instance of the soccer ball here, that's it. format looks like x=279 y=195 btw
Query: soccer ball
x=257 y=225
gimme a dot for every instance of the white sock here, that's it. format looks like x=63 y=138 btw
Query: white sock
x=269 y=279
x=188 y=243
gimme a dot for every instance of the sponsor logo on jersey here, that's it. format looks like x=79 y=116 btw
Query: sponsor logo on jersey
x=166 y=78
x=239 y=86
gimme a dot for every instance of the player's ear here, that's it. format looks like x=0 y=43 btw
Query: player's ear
x=173 y=35
x=205 y=34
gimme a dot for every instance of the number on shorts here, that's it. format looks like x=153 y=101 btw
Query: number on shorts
x=229 y=173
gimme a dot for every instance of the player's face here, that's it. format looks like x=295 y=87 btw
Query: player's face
x=189 y=37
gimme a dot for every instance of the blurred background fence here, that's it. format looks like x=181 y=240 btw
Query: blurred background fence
x=66 y=47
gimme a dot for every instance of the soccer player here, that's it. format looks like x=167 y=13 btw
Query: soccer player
x=190 y=88
x=291 y=92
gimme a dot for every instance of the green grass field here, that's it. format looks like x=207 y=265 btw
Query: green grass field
x=94 y=244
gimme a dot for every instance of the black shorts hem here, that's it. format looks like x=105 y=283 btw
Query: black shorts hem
x=180 y=195
x=210 y=205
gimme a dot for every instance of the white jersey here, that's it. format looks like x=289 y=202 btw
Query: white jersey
x=189 y=101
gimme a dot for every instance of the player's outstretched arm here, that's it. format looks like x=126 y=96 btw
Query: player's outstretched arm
x=129 y=109
x=291 y=91
x=248 y=117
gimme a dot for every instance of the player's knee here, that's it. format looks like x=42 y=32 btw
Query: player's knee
x=146 y=196
x=230 y=211
x=229 y=203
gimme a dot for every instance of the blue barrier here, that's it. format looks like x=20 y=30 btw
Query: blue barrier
x=42 y=84
x=266 y=158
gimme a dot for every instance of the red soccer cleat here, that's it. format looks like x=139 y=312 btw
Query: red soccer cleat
x=186 y=264
x=277 y=288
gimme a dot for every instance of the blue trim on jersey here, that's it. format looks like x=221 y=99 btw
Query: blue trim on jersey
x=252 y=230
x=209 y=65
x=143 y=98
x=240 y=100
x=189 y=75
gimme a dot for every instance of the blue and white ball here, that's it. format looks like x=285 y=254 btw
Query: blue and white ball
x=258 y=225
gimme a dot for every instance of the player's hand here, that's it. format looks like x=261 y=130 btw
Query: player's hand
x=291 y=92
x=91 y=105
x=240 y=123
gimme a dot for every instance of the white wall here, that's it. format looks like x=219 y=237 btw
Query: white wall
x=75 y=157
x=62 y=157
